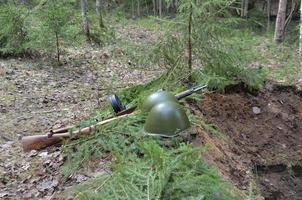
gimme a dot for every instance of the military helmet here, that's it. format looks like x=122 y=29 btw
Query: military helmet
x=167 y=118
x=156 y=98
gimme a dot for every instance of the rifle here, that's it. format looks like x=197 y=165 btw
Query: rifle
x=37 y=142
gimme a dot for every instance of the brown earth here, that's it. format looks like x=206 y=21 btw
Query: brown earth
x=264 y=147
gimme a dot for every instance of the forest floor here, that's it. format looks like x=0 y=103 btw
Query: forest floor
x=36 y=96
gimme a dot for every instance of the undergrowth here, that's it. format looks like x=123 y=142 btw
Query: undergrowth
x=13 y=30
x=279 y=62
x=158 y=173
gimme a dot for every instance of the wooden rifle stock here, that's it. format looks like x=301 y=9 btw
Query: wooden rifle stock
x=37 y=142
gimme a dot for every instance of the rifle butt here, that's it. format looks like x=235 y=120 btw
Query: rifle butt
x=37 y=142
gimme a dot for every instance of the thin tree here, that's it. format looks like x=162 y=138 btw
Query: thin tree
x=268 y=10
x=160 y=7
x=190 y=42
x=290 y=15
x=300 y=38
x=138 y=8
x=55 y=16
x=154 y=7
x=280 y=21
x=244 y=8
x=98 y=4
x=85 y=24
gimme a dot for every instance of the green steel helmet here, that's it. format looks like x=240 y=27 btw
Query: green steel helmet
x=167 y=119
x=156 y=98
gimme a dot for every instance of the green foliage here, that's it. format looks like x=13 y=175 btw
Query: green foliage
x=253 y=192
x=214 y=58
x=119 y=137
x=13 y=32
x=213 y=129
x=100 y=35
x=53 y=26
x=159 y=174
x=275 y=61
x=46 y=27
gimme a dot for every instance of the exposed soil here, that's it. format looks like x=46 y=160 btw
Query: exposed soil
x=263 y=138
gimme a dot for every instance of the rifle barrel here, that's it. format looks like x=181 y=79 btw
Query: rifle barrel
x=196 y=89
x=189 y=92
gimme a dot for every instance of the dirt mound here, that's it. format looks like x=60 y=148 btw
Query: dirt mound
x=264 y=138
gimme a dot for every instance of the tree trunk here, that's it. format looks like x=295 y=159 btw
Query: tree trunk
x=77 y=4
x=280 y=21
x=98 y=5
x=190 y=44
x=138 y=8
x=85 y=24
x=268 y=9
x=58 y=47
x=290 y=16
x=244 y=8
x=160 y=7
x=23 y=2
x=300 y=38
x=154 y=7
x=132 y=8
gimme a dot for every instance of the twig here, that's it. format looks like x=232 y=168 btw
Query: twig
x=96 y=190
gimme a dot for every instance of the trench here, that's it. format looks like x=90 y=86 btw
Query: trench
x=263 y=138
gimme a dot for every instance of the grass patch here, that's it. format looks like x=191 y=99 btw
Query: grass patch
x=278 y=62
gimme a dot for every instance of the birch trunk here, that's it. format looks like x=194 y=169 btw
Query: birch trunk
x=85 y=24
x=280 y=21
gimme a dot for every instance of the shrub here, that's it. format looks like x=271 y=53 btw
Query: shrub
x=13 y=32
x=195 y=47
x=52 y=26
